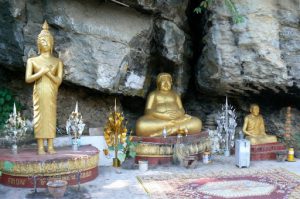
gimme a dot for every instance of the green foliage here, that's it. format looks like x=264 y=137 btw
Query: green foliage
x=236 y=17
x=297 y=140
x=111 y=148
x=6 y=105
x=8 y=166
x=202 y=6
x=128 y=149
x=132 y=153
x=121 y=157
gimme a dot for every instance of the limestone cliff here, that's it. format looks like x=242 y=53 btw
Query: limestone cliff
x=262 y=53
x=104 y=46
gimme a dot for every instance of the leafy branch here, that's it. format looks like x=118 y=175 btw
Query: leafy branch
x=236 y=16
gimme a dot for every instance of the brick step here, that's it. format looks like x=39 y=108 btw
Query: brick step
x=269 y=152
x=266 y=151
x=265 y=155
x=271 y=147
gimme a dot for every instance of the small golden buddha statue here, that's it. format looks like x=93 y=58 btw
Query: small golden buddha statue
x=46 y=72
x=254 y=128
x=164 y=110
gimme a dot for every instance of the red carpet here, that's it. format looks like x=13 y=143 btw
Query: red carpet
x=241 y=184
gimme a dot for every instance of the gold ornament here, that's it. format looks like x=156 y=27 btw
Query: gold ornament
x=115 y=132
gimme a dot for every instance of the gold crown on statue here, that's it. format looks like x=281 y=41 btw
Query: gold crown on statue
x=45 y=31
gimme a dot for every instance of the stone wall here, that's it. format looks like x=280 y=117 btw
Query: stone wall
x=112 y=50
x=262 y=53
x=104 y=46
x=93 y=106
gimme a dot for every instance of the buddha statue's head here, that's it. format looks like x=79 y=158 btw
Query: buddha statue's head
x=45 y=40
x=164 y=82
x=254 y=109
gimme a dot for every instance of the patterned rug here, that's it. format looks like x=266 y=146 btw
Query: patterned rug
x=241 y=184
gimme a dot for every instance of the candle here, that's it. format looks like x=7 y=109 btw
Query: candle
x=15 y=110
x=115 y=105
x=76 y=107
x=164 y=132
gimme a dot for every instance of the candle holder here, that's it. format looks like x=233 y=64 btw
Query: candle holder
x=15 y=128
x=75 y=127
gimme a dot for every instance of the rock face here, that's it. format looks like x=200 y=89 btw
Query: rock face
x=119 y=50
x=11 y=37
x=276 y=123
x=93 y=106
x=104 y=46
x=260 y=53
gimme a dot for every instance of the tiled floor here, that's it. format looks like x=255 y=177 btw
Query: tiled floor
x=122 y=184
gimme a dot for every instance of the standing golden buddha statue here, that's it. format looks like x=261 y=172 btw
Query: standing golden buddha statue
x=164 y=110
x=46 y=72
x=254 y=128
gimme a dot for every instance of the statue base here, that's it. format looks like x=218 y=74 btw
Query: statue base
x=28 y=170
x=160 y=150
x=153 y=161
x=266 y=151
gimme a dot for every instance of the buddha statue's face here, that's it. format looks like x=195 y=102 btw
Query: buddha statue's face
x=255 y=110
x=45 y=44
x=165 y=83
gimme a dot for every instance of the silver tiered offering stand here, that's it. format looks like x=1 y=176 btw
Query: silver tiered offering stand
x=226 y=120
x=15 y=128
x=75 y=127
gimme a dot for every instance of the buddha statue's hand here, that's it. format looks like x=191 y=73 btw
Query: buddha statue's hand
x=173 y=114
x=172 y=123
x=188 y=117
x=252 y=134
x=45 y=70
x=51 y=68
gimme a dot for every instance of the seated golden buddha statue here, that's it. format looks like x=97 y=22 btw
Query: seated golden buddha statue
x=254 y=128
x=164 y=110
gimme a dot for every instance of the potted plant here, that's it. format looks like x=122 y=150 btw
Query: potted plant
x=128 y=153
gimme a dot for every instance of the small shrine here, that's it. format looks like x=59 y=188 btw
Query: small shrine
x=150 y=99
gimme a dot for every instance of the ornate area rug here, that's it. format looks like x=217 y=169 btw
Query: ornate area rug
x=241 y=184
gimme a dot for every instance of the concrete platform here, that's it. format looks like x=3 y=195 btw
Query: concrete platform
x=116 y=184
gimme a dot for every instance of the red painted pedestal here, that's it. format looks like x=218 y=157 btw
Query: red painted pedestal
x=66 y=164
x=266 y=151
x=159 y=150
